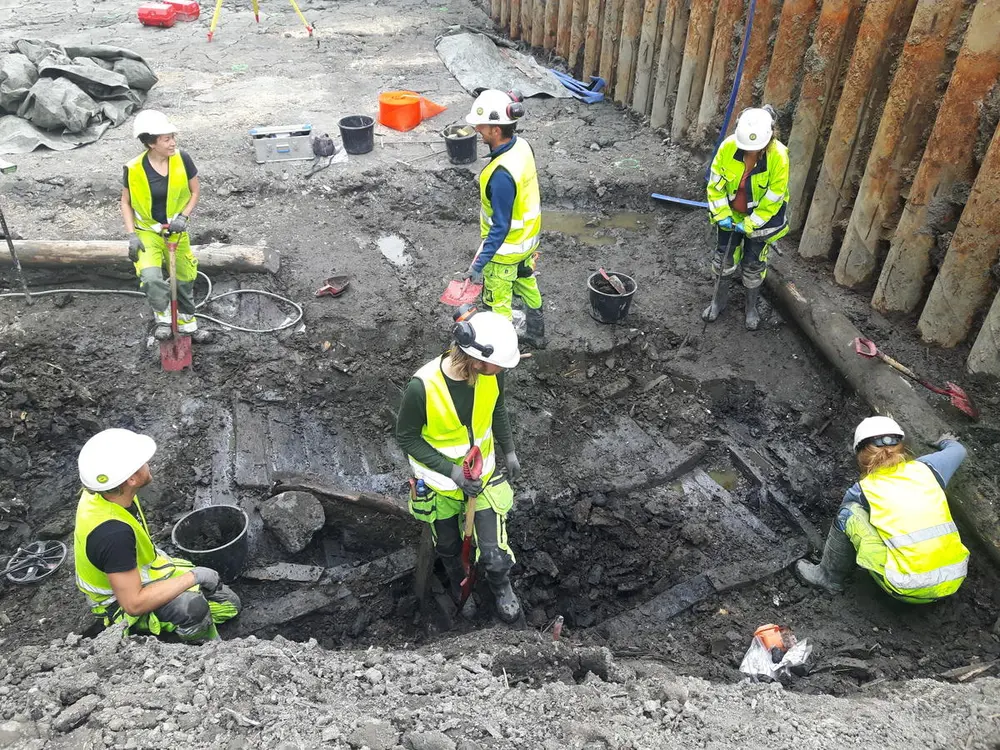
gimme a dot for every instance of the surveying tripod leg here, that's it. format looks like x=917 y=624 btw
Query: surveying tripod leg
x=295 y=7
x=215 y=19
x=256 y=10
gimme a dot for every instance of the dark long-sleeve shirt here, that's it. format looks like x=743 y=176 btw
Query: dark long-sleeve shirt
x=413 y=416
x=501 y=191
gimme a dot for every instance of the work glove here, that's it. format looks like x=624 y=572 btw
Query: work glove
x=471 y=487
x=726 y=224
x=135 y=247
x=207 y=578
x=945 y=437
x=178 y=224
x=476 y=277
x=513 y=466
x=743 y=228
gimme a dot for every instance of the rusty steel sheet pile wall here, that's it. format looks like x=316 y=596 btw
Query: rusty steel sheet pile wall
x=889 y=109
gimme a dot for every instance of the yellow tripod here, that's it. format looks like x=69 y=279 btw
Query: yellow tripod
x=256 y=15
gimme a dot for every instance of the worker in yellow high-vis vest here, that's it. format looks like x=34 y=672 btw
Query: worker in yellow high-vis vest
x=895 y=521
x=510 y=218
x=452 y=403
x=160 y=189
x=125 y=577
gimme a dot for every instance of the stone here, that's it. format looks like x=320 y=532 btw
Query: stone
x=375 y=735
x=81 y=685
x=15 y=733
x=73 y=716
x=293 y=517
x=543 y=563
x=429 y=741
x=373 y=676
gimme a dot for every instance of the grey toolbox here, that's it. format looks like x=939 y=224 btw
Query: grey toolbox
x=282 y=143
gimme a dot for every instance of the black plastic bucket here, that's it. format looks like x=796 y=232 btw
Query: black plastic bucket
x=214 y=537
x=461 y=148
x=358 y=133
x=607 y=305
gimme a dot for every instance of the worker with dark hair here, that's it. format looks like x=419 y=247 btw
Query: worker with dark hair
x=895 y=521
x=748 y=202
x=511 y=215
x=160 y=189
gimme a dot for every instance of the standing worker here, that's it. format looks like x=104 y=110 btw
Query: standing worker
x=748 y=202
x=454 y=402
x=895 y=521
x=124 y=575
x=160 y=189
x=511 y=214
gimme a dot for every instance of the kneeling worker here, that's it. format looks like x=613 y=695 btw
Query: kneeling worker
x=895 y=521
x=119 y=568
x=454 y=402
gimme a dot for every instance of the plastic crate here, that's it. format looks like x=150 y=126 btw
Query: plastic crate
x=157 y=14
x=187 y=10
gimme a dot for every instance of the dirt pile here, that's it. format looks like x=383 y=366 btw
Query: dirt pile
x=496 y=690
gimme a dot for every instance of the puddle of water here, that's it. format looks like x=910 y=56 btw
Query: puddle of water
x=593 y=230
x=393 y=248
x=725 y=478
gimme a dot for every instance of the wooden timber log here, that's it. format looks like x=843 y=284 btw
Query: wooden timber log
x=283 y=482
x=258 y=258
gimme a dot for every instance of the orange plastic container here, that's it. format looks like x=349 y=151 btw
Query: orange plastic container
x=399 y=110
x=775 y=636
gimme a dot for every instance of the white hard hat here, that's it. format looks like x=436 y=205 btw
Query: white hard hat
x=152 y=122
x=754 y=129
x=493 y=107
x=493 y=332
x=112 y=456
x=873 y=427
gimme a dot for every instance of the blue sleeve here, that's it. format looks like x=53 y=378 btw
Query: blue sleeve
x=501 y=191
x=854 y=495
x=946 y=461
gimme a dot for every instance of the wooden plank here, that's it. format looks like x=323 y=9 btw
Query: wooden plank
x=504 y=14
x=286 y=481
x=668 y=64
x=515 y=19
x=690 y=456
x=551 y=23
x=724 y=49
x=564 y=28
x=609 y=42
x=642 y=92
x=527 y=14
x=592 y=39
x=576 y=37
x=252 y=446
x=628 y=50
x=99 y=252
x=495 y=10
x=538 y=23
x=694 y=66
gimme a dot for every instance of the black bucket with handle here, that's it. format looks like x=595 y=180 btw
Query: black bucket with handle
x=606 y=304
x=215 y=537
x=358 y=133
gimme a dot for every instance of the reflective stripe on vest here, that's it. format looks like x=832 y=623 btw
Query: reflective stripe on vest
x=526 y=218
x=141 y=198
x=91 y=512
x=444 y=431
x=925 y=557
x=724 y=180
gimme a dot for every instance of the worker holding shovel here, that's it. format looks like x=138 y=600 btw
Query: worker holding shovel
x=895 y=521
x=511 y=215
x=453 y=405
x=748 y=202
x=160 y=190
x=125 y=577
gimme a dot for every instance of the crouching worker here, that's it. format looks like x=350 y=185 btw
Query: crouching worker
x=455 y=402
x=119 y=568
x=895 y=521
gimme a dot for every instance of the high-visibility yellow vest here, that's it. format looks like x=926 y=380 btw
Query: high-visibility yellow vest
x=445 y=432
x=526 y=219
x=925 y=556
x=153 y=564
x=767 y=190
x=178 y=191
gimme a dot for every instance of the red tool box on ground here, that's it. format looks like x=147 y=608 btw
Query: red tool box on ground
x=187 y=10
x=157 y=14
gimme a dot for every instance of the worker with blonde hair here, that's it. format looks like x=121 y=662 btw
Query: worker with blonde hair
x=452 y=403
x=895 y=520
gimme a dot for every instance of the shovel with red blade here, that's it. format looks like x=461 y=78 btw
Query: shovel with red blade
x=472 y=468
x=959 y=398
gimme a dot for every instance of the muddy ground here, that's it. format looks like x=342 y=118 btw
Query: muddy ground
x=600 y=407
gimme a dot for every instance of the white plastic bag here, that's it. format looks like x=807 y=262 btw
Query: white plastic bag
x=759 y=665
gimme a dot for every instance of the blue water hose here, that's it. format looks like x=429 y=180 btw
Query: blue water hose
x=737 y=79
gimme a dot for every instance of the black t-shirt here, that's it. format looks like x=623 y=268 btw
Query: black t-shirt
x=111 y=546
x=158 y=184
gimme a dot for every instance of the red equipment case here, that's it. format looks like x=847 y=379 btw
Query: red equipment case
x=157 y=14
x=187 y=10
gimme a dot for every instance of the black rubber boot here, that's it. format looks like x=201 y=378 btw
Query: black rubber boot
x=456 y=574
x=162 y=332
x=508 y=607
x=719 y=302
x=534 y=324
x=838 y=561
x=752 y=316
